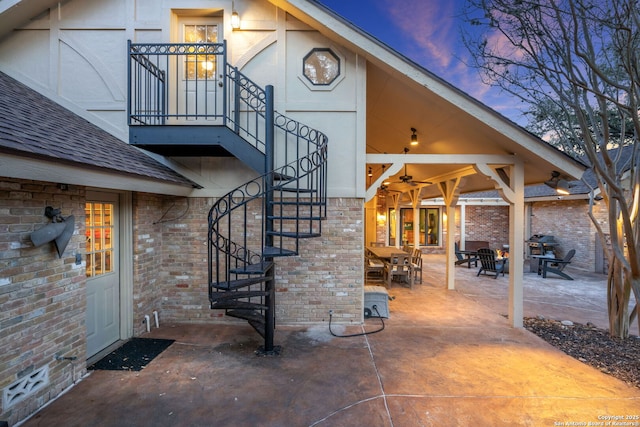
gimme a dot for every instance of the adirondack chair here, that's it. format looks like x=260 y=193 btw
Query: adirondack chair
x=489 y=263
x=466 y=257
x=556 y=266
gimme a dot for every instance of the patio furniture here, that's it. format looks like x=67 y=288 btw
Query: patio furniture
x=556 y=266
x=399 y=266
x=466 y=257
x=490 y=263
x=416 y=265
x=373 y=269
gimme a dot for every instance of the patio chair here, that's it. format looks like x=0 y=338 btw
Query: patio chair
x=556 y=266
x=465 y=257
x=399 y=266
x=489 y=263
x=416 y=265
x=373 y=269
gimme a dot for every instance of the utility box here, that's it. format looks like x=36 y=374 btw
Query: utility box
x=378 y=296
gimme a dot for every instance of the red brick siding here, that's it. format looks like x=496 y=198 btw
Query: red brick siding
x=147 y=257
x=568 y=221
x=42 y=296
x=487 y=223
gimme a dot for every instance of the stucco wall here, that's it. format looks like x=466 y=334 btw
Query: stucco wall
x=76 y=55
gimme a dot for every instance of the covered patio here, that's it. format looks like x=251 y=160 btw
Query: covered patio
x=426 y=140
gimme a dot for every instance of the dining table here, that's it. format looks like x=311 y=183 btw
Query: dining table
x=384 y=252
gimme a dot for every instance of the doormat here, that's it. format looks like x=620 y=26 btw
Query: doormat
x=134 y=355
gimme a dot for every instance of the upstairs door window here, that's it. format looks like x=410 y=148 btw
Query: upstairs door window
x=198 y=66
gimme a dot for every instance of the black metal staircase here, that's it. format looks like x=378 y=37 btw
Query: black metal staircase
x=264 y=218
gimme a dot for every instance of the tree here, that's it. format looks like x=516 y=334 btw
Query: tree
x=577 y=63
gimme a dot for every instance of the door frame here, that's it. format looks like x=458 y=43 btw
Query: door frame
x=125 y=255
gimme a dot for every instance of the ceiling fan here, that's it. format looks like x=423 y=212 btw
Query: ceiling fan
x=384 y=190
x=408 y=179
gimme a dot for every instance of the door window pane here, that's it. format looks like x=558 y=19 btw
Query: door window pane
x=200 y=67
x=99 y=238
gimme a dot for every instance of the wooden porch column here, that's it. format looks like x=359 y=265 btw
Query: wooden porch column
x=516 y=247
x=510 y=185
x=415 y=204
x=450 y=192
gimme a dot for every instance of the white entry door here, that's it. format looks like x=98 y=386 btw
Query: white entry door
x=103 y=276
x=200 y=94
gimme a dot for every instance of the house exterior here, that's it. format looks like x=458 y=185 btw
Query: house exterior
x=145 y=126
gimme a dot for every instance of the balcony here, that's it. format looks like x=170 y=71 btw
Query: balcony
x=186 y=100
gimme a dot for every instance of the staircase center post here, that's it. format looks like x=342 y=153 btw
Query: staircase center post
x=270 y=319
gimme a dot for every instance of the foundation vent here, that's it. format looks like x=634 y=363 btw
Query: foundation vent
x=25 y=387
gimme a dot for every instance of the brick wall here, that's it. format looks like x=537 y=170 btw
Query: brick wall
x=487 y=223
x=328 y=273
x=147 y=257
x=568 y=221
x=184 y=267
x=42 y=296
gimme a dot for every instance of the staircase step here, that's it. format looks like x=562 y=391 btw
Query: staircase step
x=259 y=326
x=294 y=189
x=271 y=251
x=239 y=283
x=281 y=177
x=259 y=268
x=299 y=202
x=255 y=319
x=234 y=295
x=298 y=218
x=238 y=305
x=293 y=234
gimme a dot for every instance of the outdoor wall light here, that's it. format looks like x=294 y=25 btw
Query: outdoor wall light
x=59 y=230
x=559 y=184
x=562 y=187
x=414 y=137
x=370 y=172
x=235 y=18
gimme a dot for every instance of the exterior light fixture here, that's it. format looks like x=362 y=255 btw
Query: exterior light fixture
x=370 y=172
x=414 y=137
x=562 y=187
x=559 y=184
x=235 y=18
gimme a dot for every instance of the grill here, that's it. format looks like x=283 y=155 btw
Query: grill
x=540 y=244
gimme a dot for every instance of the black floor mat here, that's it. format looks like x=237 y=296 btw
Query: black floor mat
x=134 y=355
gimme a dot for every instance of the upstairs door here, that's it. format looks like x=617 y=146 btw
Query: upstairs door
x=102 y=270
x=200 y=94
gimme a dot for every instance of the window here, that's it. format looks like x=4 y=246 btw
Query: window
x=321 y=66
x=99 y=238
x=429 y=223
x=200 y=67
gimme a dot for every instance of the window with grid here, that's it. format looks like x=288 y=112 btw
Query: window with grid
x=200 y=67
x=99 y=235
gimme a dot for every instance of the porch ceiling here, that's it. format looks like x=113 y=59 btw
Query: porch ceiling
x=395 y=104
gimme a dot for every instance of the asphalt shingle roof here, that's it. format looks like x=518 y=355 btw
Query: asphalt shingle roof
x=34 y=125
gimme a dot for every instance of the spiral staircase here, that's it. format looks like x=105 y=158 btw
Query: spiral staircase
x=261 y=220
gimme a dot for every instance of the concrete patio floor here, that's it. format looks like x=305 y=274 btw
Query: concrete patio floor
x=444 y=358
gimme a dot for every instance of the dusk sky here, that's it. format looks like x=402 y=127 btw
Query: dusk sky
x=427 y=32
